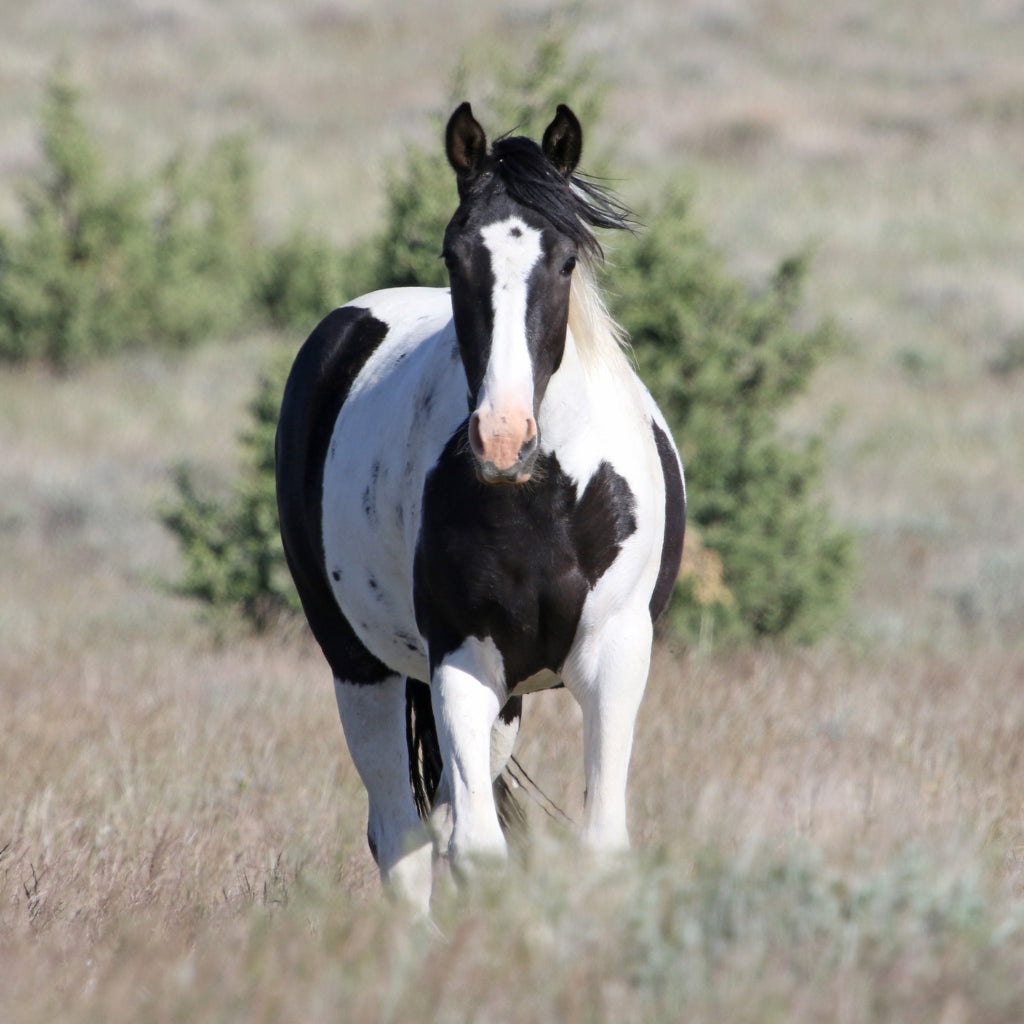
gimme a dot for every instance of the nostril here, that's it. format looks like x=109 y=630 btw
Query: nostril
x=531 y=443
x=531 y=431
x=475 y=440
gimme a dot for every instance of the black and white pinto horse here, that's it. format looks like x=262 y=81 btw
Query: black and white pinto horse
x=478 y=497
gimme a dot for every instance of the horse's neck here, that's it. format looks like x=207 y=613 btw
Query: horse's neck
x=587 y=393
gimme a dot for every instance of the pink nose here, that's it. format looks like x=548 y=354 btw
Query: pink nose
x=498 y=438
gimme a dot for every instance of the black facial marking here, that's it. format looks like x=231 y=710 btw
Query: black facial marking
x=336 y=575
x=472 y=284
x=319 y=383
x=513 y=563
x=675 y=522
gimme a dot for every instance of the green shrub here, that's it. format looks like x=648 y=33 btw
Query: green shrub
x=723 y=363
x=301 y=279
x=104 y=264
x=722 y=360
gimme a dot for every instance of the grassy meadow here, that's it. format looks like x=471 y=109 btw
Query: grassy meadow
x=833 y=833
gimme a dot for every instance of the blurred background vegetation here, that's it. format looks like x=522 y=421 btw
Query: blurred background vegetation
x=105 y=264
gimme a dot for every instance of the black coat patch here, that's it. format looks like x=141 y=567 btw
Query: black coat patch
x=514 y=563
x=320 y=380
x=604 y=517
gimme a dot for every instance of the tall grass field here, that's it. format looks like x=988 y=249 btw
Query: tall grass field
x=824 y=833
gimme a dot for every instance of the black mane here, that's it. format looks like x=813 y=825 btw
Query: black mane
x=573 y=205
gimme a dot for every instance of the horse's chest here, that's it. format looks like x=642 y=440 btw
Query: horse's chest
x=514 y=563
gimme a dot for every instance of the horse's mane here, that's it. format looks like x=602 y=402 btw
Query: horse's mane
x=574 y=205
x=600 y=340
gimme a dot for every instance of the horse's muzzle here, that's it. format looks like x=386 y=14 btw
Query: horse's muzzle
x=518 y=473
x=504 y=454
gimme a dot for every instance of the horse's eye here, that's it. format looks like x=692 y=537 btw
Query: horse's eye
x=450 y=260
x=569 y=266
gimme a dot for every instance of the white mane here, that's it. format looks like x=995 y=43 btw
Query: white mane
x=603 y=344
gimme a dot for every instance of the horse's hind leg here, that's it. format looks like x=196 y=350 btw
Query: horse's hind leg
x=373 y=717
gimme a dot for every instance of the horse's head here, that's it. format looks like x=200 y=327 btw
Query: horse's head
x=510 y=249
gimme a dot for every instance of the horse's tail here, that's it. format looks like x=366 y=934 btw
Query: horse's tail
x=425 y=764
x=511 y=815
x=424 y=753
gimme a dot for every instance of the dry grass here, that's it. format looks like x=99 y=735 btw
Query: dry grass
x=836 y=839
x=834 y=834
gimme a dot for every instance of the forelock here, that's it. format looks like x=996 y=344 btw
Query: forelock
x=573 y=206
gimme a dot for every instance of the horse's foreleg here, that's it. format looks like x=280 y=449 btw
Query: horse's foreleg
x=467 y=694
x=373 y=717
x=608 y=678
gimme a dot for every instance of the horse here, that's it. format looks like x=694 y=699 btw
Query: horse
x=479 y=498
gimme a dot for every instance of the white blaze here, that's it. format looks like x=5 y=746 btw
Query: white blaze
x=506 y=396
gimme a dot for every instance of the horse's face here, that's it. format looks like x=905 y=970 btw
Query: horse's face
x=510 y=276
x=510 y=270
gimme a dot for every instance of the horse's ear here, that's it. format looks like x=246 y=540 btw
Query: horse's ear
x=563 y=141
x=465 y=143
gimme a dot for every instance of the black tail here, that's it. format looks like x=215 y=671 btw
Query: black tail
x=511 y=815
x=424 y=753
x=425 y=765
